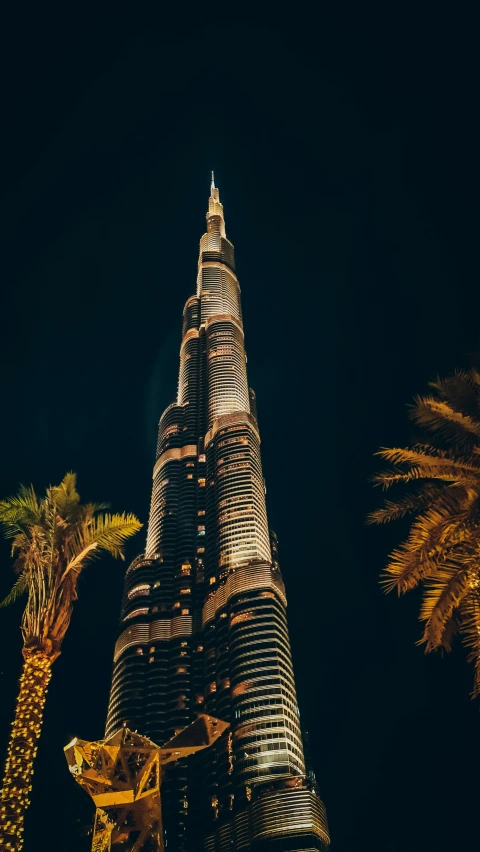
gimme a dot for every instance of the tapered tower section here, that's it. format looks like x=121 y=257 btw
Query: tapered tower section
x=203 y=622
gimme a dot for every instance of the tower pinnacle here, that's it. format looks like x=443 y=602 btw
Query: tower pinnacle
x=215 y=207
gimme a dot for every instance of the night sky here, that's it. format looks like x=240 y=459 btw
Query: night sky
x=345 y=146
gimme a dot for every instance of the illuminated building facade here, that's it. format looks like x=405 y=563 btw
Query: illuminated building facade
x=203 y=621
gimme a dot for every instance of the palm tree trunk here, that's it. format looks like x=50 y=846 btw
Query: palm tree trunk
x=22 y=749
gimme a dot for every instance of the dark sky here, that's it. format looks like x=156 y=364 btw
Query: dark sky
x=345 y=144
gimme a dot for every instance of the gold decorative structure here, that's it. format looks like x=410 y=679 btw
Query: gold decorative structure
x=123 y=775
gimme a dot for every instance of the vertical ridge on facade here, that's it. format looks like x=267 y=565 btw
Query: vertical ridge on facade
x=203 y=622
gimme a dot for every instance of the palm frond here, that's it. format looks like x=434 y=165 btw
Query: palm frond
x=110 y=532
x=424 y=456
x=66 y=496
x=77 y=562
x=450 y=631
x=440 y=417
x=470 y=629
x=19 y=587
x=98 y=507
x=105 y=532
x=393 y=510
x=387 y=478
x=444 y=592
x=460 y=390
x=432 y=535
x=19 y=512
x=405 y=570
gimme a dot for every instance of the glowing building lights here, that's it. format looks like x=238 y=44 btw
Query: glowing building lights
x=205 y=606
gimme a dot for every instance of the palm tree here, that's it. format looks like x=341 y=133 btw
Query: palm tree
x=442 y=550
x=53 y=538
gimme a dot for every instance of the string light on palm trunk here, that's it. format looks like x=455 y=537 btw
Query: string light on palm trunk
x=22 y=750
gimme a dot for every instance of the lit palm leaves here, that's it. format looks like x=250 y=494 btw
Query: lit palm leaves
x=53 y=538
x=442 y=550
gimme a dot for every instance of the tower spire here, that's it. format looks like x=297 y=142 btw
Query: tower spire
x=215 y=207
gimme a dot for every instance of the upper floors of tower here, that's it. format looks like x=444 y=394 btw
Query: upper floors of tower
x=218 y=290
x=215 y=241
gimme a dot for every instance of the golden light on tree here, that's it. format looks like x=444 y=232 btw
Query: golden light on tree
x=53 y=538
x=442 y=550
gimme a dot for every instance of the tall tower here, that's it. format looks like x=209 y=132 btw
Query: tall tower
x=203 y=623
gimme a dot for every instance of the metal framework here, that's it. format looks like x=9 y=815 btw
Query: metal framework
x=123 y=775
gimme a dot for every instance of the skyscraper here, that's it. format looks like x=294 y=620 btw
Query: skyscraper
x=203 y=622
